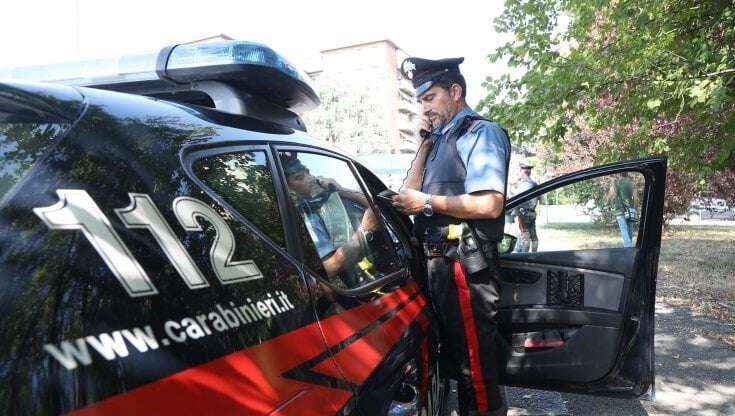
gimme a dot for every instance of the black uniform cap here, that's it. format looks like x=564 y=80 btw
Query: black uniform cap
x=425 y=72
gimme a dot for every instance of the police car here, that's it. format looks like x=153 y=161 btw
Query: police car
x=172 y=241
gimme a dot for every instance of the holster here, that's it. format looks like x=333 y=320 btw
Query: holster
x=467 y=249
x=470 y=250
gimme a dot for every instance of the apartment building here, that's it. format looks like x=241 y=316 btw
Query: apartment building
x=375 y=93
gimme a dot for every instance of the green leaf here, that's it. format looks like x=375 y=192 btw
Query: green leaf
x=653 y=103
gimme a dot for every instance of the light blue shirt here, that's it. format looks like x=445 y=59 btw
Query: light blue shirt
x=483 y=151
x=319 y=234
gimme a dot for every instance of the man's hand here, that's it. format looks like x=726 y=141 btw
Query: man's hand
x=477 y=205
x=424 y=125
x=369 y=222
x=328 y=183
x=409 y=201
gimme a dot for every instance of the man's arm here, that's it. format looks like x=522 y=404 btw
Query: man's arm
x=477 y=205
x=416 y=171
x=486 y=164
x=351 y=251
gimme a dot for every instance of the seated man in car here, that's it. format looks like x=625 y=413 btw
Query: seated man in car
x=320 y=202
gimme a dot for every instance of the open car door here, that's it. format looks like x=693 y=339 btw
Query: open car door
x=577 y=315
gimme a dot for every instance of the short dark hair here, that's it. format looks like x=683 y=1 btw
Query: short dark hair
x=292 y=165
x=446 y=81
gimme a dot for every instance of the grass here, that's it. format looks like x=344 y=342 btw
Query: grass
x=698 y=261
x=577 y=236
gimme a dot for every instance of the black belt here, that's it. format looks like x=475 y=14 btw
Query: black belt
x=440 y=249
x=449 y=249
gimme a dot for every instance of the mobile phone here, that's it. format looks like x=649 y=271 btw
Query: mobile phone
x=425 y=134
x=387 y=195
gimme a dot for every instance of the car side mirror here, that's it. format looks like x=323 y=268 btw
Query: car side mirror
x=507 y=244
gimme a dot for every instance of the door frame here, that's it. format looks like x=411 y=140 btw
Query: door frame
x=632 y=375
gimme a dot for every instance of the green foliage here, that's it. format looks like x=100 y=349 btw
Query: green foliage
x=642 y=77
x=349 y=116
x=21 y=145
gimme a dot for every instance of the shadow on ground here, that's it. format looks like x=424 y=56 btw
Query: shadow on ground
x=695 y=375
x=695 y=371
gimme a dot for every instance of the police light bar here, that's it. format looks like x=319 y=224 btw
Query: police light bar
x=250 y=67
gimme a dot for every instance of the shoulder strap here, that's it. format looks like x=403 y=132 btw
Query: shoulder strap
x=468 y=123
x=472 y=122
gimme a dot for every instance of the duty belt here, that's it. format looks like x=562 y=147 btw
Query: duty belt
x=449 y=249
x=440 y=249
x=451 y=232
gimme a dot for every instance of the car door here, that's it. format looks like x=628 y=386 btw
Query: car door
x=577 y=314
x=373 y=316
x=241 y=178
x=129 y=287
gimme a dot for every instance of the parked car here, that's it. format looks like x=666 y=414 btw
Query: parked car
x=158 y=256
x=710 y=208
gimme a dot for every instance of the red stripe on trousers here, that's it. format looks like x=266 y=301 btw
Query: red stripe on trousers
x=473 y=346
x=424 y=349
x=520 y=225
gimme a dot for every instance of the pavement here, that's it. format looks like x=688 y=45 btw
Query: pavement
x=695 y=375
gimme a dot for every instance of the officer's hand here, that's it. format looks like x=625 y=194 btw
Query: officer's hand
x=424 y=126
x=409 y=201
x=328 y=183
x=369 y=222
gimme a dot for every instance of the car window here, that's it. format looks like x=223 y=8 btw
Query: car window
x=597 y=213
x=245 y=181
x=351 y=241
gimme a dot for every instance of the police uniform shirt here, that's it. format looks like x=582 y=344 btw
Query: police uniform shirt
x=319 y=235
x=524 y=186
x=483 y=150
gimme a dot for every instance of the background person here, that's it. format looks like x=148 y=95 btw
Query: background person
x=459 y=176
x=621 y=196
x=525 y=213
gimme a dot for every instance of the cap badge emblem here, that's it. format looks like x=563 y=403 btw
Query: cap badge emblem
x=408 y=68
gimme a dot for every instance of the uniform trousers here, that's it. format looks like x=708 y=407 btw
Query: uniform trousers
x=466 y=306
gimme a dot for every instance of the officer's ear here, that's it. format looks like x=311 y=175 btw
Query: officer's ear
x=455 y=92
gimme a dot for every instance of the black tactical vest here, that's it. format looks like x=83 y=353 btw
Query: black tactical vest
x=444 y=174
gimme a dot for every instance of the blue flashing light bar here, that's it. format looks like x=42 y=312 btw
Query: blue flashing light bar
x=141 y=67
x=249 y=66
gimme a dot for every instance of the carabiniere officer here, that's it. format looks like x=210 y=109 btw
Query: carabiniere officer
x=456 y=187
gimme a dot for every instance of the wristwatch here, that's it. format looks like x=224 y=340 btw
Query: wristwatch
x=427 y=210
x=366 y=234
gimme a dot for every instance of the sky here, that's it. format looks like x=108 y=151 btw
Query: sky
x=52 y=31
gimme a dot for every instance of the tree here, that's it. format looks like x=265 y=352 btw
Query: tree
x=349 y=116
x=623 y=79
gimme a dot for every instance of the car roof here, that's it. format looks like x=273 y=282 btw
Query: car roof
x=67 y=100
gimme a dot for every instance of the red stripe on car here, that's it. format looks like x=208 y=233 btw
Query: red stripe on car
x=358 y=360
x=251 y=381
